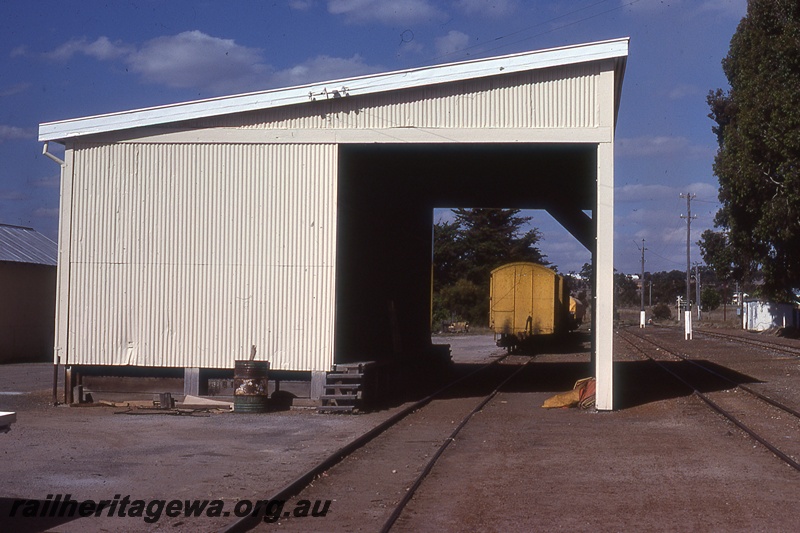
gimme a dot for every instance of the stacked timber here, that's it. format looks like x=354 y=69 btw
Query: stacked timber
x=345 y=387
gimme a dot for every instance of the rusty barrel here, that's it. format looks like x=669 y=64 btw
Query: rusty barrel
x=250 y=386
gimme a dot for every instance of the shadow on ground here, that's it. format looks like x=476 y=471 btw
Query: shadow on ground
x=635 y=382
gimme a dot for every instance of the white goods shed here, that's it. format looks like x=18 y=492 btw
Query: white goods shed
x=299 y=220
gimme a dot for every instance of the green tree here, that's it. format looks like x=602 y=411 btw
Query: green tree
x=448 y=253
x=493 y=237
x=709 y=299
x=587 y=271
x=720 y=258
x=758 y=130
x=464 y=300
x=667 y=286
x=626 y=290
x=468 y=249
x=662 y=311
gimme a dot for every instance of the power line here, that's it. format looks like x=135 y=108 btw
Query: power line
x=546 y=22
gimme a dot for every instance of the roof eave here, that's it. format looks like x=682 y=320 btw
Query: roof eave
x=369 y=84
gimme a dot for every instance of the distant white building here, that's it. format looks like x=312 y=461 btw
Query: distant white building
x=27 y=295
x=760 y=315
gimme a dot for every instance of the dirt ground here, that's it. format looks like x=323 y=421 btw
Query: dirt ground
x=661 y=461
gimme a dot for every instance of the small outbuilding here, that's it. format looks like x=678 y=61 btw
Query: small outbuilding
x=27 y=295
x=761 y=315
x=299 y=220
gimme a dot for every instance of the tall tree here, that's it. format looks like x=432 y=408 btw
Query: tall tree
x=719 y=256
x=468 y=249
x=758 y=129
x=492 y=237
x=448 y=252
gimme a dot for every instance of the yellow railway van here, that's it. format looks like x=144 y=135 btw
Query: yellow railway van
x=527 y=300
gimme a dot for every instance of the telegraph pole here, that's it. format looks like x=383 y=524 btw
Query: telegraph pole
x=697 y=289
x=641 y=281
x=688 y=314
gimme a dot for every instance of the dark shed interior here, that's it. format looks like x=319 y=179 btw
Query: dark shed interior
x=386 y=197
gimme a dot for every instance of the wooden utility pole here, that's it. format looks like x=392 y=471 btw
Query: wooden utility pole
x=688 y=314
x=641 y=290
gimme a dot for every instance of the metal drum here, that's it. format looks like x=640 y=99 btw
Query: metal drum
x=250 y=386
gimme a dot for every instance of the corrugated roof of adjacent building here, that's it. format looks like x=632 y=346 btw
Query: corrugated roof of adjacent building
x=25 y=245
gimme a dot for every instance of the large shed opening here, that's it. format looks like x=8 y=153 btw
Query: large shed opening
x=386 y=197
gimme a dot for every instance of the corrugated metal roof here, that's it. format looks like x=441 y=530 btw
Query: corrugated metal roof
x=376 y=83
x=25 y=245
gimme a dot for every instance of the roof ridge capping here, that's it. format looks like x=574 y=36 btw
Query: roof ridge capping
x=360 y=85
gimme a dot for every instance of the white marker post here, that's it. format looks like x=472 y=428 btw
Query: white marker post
x=688 y=324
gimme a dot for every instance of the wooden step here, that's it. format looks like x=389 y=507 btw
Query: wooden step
x=331 y=376
x=344 y=387
x=337 y=408
x=340 y=397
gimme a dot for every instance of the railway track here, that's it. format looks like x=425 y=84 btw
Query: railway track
x=405 y=449
x=760 y=343
x=770 y=422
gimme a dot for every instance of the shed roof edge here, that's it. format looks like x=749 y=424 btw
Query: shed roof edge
x=369 y=84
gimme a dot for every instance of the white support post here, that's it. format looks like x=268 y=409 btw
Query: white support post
x=688 y=325
x=60 y=348
x=191 y=381
x=604 y=248
x=317 y=384
x=604 y=273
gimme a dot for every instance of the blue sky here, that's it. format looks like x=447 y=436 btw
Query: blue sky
x=70 y=59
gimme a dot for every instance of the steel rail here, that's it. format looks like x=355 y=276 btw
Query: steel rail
x=246 y=523
x=788 y=350
x=398 y=510
x=750 y=390
x=708 y=401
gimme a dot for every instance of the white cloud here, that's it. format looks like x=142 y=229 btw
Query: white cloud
x=194 y=59
x=197 y=60
x=385 y=11
x=683 y=90
x=102 y=48
x=19 y=51
x=44 y=212
x=50 y=182
x=322 y=68
x=10 y=133
x=733 y=8
x=301 y=5
x=649 y=146
x=642 y=193
x=496 y=8
x=6 y=194
x=15 y=89
x=639 y=193
x=454 y=41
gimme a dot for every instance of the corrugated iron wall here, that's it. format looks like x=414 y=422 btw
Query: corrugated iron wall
x=185 y=255
x=563 y=97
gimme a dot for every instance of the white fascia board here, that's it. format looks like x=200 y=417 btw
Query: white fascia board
x=362 y=85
